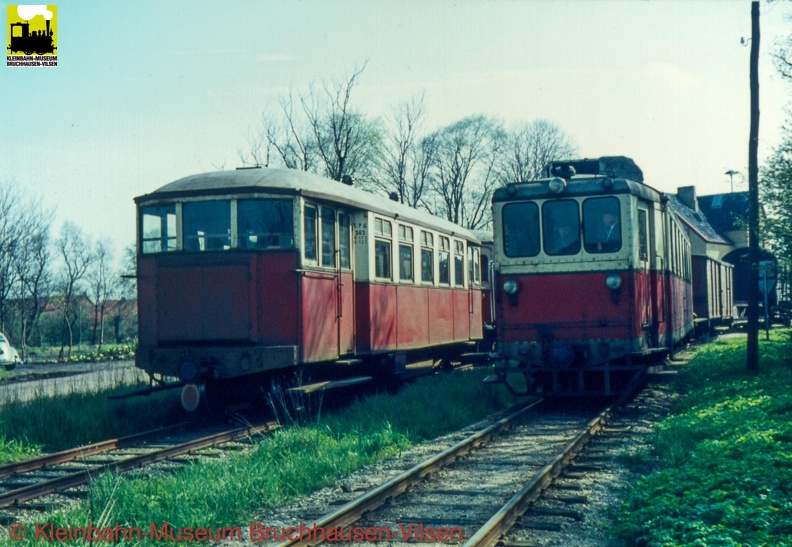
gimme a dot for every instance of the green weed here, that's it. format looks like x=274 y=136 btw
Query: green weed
x=294 y=461
x=724 y=455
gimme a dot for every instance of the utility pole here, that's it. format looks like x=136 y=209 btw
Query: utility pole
x=753 y=198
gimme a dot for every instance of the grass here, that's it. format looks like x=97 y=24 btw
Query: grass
x=292 y=462
x=724 y=455
x=51 y=423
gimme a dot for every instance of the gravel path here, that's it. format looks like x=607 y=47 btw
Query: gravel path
x=28 y=382
x=588 y=502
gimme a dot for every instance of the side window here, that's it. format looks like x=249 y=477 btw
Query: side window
x=383 y=245
x=521 y=229
x=328 y=237
x=459 y=263
x=206 y=225
x=158 y=229
x=561 y=227
x=602 y=225
x=265 y=224
x=476 y=266
x=309 y=230
x=643 y=236
x=484 y=268
x=344 y=241
x=405 y=253
x=427 y=257
x=444 y=259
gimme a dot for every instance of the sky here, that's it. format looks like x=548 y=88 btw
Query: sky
x=146 y=92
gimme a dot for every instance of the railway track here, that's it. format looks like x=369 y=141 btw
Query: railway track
x=473 y=492
x=55 y=473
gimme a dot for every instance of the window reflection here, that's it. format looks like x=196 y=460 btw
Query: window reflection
x=521 y=229
x=561 y=227
x=158 y=225
x=207 y=225
x=265 y=224
x=601 y=226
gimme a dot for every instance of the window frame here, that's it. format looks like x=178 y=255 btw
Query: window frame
x=444 y=249
x=406 y=243
x=383 y=235
x=313 y=261
x=163 y=223
x=427 y=245
x=537 y=241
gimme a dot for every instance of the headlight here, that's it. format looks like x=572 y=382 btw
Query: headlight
x=510 y=287
x=613 y=281
x=557 y=185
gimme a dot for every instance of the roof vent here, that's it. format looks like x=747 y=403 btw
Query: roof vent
x=347 y=179
x=248 y=167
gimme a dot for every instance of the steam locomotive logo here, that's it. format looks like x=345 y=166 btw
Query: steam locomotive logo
x=32 y=31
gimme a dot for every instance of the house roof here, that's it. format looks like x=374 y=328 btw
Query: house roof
x=697 y=221
x=726 y=212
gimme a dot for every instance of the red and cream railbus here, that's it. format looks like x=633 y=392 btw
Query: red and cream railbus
x=254 y=271
x=592 y=276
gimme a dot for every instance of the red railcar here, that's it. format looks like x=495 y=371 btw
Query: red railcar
x=592 y=277
x=254 y=271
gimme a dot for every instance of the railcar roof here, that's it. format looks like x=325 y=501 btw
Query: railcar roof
x=293 y=182
x=576 y=187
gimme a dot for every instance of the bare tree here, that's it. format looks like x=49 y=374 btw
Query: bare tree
x=783 y=56
x=22 y=223
x=101 y=280
x=406 y=159
x=529 y=147
x=125 y=291
x=32 y=265
x=320 y=132
x=77 y=257
x=347 y=141
x=464 y=167
x=285 y=139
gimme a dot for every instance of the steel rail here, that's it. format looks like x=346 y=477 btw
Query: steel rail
x=352 y=511
x=71 y=454
x=26 y=493
x=502 y=521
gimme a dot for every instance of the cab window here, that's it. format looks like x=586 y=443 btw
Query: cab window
x=561 y=227
x=521 y=229
x=158 y=229
x=265 y=224
x=602 y=225
x=207 y=225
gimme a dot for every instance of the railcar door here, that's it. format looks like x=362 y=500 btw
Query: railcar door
x=346 y=287
x=647 y=284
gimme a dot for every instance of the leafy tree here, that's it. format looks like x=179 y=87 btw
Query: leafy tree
x=776 y=191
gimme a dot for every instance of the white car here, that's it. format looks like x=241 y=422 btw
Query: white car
x=9 y=358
